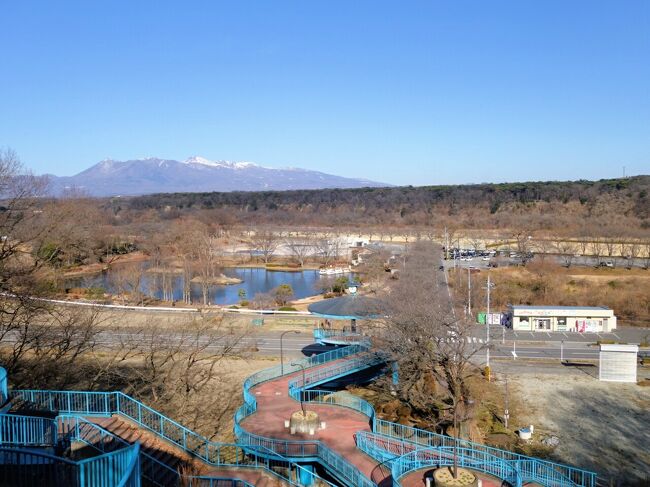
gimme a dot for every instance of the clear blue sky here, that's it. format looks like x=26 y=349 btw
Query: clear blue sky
x=401 y=92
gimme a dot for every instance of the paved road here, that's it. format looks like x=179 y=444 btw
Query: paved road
x=621 y=335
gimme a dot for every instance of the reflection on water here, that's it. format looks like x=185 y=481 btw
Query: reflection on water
x=256 y=280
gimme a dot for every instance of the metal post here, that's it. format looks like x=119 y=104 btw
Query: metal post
x=469 y=292
x=282 y=351
x=487 y=321
x=302 y=403
x=506 y=413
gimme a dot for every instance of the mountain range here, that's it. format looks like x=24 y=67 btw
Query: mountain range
x=195 y=174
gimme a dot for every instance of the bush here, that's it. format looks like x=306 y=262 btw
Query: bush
x=95 y=292
x=244 y=303
x=287 y=308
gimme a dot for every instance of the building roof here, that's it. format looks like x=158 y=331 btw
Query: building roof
x=350 y=307
x=565 y=308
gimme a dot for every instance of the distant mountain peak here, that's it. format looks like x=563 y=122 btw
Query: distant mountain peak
x=196 y=174
x=229 y=164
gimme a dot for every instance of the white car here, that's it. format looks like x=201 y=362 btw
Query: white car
x=485 y=258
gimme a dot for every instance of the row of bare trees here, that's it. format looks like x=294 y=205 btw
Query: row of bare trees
x=321 y=247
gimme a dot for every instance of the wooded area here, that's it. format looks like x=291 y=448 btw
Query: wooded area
x=546 y=205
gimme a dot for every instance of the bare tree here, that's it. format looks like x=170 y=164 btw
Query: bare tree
x=328 y=248
x=646 y=257
x=429 y=343
x=566 y=249
x=523 y=240
x=265 y=243
x=127 y=280
x=301 y=249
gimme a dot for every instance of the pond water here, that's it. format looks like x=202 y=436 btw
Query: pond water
x=256 y=280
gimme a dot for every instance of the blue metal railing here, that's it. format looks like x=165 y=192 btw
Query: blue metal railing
x=338 y=398
x=339 y=337
x=27 y=430
x=251 y=445
x=101 y=403
x=532 y=469
x=28 y=467
x=4 y=391
x=120 y=468
x=465 y=457
x=340 y=369
x=404 y=458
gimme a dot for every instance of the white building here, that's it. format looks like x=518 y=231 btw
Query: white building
x=561 y=318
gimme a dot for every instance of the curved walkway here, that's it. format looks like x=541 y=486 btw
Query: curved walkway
x=274 y=406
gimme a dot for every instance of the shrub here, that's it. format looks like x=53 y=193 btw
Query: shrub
x=287 y=308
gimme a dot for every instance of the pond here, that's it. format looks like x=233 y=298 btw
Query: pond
x=255 y=280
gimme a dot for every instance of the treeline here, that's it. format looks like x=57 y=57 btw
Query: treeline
x=426 y=205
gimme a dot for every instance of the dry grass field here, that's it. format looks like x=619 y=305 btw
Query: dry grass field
x=627 y=292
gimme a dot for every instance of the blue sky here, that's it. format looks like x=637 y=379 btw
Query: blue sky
x=401 y=92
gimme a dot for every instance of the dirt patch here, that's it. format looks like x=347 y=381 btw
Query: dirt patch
x=602 y=426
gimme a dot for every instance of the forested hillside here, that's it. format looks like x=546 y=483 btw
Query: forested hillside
x=614 y=203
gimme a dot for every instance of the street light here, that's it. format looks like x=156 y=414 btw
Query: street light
x=302 y=404
x=282 y=350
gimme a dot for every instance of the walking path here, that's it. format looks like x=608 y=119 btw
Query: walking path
x=274 y=406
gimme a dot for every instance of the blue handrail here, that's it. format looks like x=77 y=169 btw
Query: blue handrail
x=101 y=403
x=532 y=469
x=357 y=358
x=27 y=430
x=4 y=391
x=115 y=469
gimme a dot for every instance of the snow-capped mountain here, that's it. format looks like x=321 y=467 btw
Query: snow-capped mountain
x=195 y=174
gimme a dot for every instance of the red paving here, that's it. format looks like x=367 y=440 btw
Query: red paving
x=274 y=406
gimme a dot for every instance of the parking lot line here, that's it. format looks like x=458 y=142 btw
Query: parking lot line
x=565 y=335
x=616 y=335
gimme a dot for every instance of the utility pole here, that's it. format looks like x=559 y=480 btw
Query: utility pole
x=487 y=321
x=506 y=413
x=469 y=292
x=446 y=245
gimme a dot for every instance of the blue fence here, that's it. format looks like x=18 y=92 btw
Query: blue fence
x=28 y=467
x=27 y=430
x=531 y=469
x=108 y=403
x=339 y=337
x=259 y=452
x=4 y=391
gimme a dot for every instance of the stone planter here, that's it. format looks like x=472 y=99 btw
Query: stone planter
x=444 y=477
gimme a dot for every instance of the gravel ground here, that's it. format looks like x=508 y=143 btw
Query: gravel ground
x=602 y=426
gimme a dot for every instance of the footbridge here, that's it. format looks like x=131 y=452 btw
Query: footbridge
x=127 y=443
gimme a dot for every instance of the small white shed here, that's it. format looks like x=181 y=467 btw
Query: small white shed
x=618 y=363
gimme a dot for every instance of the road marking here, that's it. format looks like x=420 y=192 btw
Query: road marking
x=599 y=335
x=515 y=333
x=616 y=335
x=549 y=335
x=595 y=352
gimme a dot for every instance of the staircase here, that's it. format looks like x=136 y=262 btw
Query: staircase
x=162 y=464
